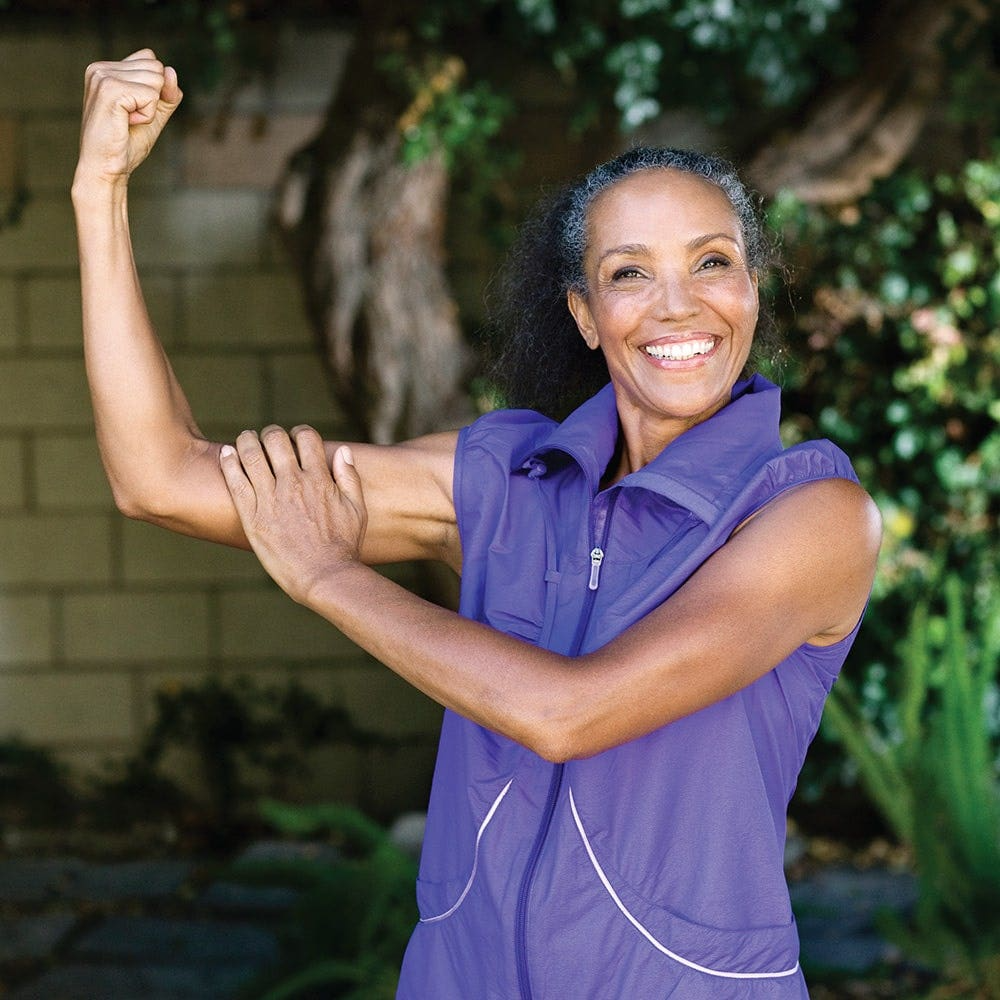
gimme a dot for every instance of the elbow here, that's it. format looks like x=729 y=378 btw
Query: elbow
x=129 y=504
x=568 y=722
x=551 y=748
x=136 y=505
x=559 y=741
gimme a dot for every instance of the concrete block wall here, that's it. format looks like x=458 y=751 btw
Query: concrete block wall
x=96 y=612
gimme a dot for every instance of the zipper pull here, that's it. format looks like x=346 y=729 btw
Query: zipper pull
x=596 y=558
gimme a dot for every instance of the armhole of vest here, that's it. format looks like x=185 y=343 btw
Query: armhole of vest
x=836 y=466
x=827 y=461
x=781 y=491
x=834 y=647
x=458 y=487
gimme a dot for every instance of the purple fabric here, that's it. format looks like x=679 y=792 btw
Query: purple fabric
x=654 y=869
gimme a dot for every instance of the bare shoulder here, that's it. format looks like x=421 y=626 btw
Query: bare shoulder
x=826 y=536
x=843 y=510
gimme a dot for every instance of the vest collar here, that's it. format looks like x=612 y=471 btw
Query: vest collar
x=700 y=470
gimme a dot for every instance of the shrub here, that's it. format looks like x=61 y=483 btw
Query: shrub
x=344 y=939
x=933 y=774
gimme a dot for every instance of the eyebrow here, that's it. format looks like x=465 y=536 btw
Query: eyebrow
x=641 y=249
x=699 y=241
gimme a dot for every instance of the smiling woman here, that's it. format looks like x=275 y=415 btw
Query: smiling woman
x=673 y=309
x=656 y=596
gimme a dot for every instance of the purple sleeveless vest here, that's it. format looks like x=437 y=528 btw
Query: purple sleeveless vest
x=653 y=869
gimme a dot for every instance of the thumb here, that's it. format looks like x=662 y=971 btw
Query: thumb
x=171 y=93
x=170 y=98
x=166 y=104
x=346 y=475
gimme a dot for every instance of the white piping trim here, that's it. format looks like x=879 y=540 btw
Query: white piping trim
x=475 y=860
x=645 y=933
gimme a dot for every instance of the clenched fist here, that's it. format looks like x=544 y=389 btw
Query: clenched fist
x=125 y=107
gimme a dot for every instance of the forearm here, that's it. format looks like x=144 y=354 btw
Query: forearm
x=508 y=686
x=144 y=425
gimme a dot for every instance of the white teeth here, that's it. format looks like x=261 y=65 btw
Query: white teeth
x=679 y=352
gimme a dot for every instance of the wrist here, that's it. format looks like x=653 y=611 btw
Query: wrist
x=329 y=590
x=97 y=190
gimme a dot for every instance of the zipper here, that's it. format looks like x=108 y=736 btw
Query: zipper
x=521 y=914
x=596 y=558
x=602 y=525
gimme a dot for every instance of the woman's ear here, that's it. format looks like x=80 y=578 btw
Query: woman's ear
x=584 y=320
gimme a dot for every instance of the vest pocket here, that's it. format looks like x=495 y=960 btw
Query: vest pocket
x=438 y=900
x=514 y=591
x=757 y=953
x=521 y=628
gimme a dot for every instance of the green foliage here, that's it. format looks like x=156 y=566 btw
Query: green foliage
x=934 y=775
x=894 y=353
x=445 y=118
x=346 y=935
x=719 y=56
x=639 y=56
x=899 y=311
x=242 y=735
x=460 y=124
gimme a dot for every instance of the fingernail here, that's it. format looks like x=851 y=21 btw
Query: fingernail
x=346 y=453
x=227 y=450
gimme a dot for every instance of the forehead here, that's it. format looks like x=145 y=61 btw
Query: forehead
x=660 y=203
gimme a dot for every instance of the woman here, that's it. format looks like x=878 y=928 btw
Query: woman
x=656 y=597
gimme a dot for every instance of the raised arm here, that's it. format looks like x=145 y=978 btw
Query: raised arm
x=160 y=466
x=799 y=571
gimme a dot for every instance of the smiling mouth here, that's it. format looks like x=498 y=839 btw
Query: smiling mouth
x=679 y=352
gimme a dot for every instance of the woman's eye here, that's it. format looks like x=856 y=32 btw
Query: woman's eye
x=715 y=261
x=626 y=272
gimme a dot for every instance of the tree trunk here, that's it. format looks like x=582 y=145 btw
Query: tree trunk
x=862 y=129
x=368 y=235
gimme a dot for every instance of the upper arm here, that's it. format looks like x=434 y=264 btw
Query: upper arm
x=799 y=571
x=407 y=488
x=408 y=492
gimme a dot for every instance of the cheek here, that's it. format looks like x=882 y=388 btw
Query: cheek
x=742 y=308
x=618 y=313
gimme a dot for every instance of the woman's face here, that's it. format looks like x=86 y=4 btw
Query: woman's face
x=671 y=301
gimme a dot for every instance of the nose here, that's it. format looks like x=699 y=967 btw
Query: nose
x=676 y=297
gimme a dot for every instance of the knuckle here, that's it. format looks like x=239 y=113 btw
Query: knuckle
x=96 y=76
x=249 y=448
x=242 y=490
x=243 y=495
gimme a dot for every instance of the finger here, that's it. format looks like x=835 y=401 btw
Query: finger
x=135 y=87
x=142 y=106
x=140 y=54
x=309 y=445
x=279 y=449
x=254 y=461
